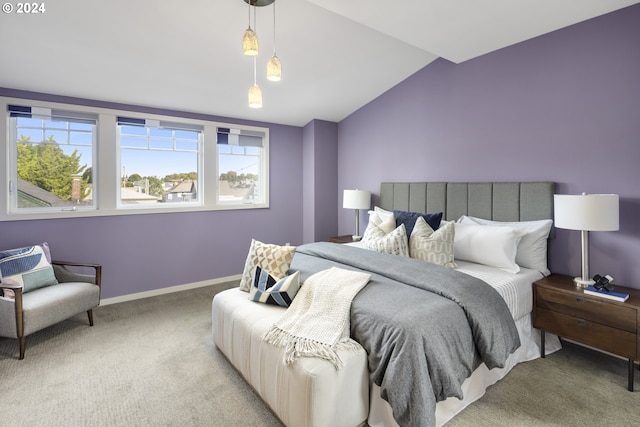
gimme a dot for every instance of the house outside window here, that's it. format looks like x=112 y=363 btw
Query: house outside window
x=160 y=161
x=241 y=163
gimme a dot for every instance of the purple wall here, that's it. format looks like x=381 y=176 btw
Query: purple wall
x=320 y=159
x=152 y=251
x=562 y=107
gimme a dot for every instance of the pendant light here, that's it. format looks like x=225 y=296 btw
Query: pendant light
x=255 y=93
x=250 y=38
x=274 y=68
x=250 y=48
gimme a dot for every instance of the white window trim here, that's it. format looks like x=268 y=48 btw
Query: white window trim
x=106 y=161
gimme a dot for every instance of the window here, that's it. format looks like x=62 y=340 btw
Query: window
x=160 y=162
x=53 y=153
x=72 y=160
x=241 y=166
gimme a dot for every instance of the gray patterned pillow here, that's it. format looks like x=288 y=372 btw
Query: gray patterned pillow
x=433 y=246
x=394 y=243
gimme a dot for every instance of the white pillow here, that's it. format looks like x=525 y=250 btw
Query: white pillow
x=382 y=213
x=394 y=243
x=491 y=245
x=532 y=249
x=433 y=246
x=384 y=221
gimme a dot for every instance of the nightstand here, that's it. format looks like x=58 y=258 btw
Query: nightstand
x=342 y=239
x=561 y=308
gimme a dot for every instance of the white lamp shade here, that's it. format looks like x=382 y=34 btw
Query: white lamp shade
x=356 y=199
x=255 y=97
x=250 y=42
x=589 y=212
x=274 y=69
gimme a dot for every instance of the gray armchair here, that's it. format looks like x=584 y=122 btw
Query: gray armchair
x=32 y=311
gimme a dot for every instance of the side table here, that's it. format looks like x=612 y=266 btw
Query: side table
x=563 y=309
x=347 y=238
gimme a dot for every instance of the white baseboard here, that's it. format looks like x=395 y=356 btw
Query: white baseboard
x=168 y=290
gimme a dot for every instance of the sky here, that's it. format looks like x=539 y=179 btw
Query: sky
x=160 y=161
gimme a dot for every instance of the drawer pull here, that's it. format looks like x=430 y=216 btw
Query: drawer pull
x=581 y=322
x=579 y=299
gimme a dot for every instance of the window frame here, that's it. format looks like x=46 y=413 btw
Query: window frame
x=106 y=161
x=51 y=115
x=155 y=124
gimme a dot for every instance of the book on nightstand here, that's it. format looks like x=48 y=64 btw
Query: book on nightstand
x=616 y=296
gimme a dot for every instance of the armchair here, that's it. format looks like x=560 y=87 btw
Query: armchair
x=29 y=312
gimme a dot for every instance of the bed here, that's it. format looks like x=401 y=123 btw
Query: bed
x=311 y=392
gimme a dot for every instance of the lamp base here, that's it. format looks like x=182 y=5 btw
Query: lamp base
x=356 y=238
x=583 y=283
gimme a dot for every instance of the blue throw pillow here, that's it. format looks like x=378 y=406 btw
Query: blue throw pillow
x=409 y=219
x=28 y=267
x=266 y=289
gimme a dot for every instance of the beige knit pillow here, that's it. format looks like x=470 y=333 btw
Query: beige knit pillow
x=433 y=246
x=273 y=258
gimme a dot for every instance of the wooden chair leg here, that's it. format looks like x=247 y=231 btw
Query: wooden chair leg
x=90 y=314
x=22 y=344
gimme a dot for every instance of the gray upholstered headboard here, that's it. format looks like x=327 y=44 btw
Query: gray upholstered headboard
x=498 y=201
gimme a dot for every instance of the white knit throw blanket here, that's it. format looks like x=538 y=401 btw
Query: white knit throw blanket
x=317 y=322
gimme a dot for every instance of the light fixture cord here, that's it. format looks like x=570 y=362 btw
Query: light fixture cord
x=274 y=28
x=249 y=3
x=254 y=71
x=255 y=28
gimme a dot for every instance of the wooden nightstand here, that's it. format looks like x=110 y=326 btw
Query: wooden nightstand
x=561 y=308
x=342 y=239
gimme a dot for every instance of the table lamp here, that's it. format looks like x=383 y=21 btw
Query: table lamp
x=356 y=199
x=586 y=212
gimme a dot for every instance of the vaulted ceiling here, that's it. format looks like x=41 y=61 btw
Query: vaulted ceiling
x=337 y=55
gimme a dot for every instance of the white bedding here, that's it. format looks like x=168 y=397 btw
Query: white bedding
x=515 y=289
x=239 y=323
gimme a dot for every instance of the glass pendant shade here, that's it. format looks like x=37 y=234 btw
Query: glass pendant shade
x=255 y=96
x=274 y=69
x=250 y=43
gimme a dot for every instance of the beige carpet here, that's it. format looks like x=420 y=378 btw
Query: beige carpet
x=152 y=362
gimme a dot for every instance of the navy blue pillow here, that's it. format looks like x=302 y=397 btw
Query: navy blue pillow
x=409 y=219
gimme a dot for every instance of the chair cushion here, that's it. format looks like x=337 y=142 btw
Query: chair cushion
x=49 y=305
x=27 y=266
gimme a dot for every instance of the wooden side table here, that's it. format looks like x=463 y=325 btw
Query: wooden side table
x=565 y=310
x=347 y=238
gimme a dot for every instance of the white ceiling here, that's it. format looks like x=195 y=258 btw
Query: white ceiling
x=337 y=55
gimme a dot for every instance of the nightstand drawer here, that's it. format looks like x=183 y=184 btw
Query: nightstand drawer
x=588 y=308
x=607 y=338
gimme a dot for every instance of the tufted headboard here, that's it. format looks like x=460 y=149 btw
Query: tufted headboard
x=498 y=201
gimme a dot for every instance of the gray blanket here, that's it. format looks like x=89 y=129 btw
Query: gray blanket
x=425 y=327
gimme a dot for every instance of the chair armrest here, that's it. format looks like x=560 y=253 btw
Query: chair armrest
x=65 y=275
x=13 y=286
x=17 y=296
x=75 y=264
